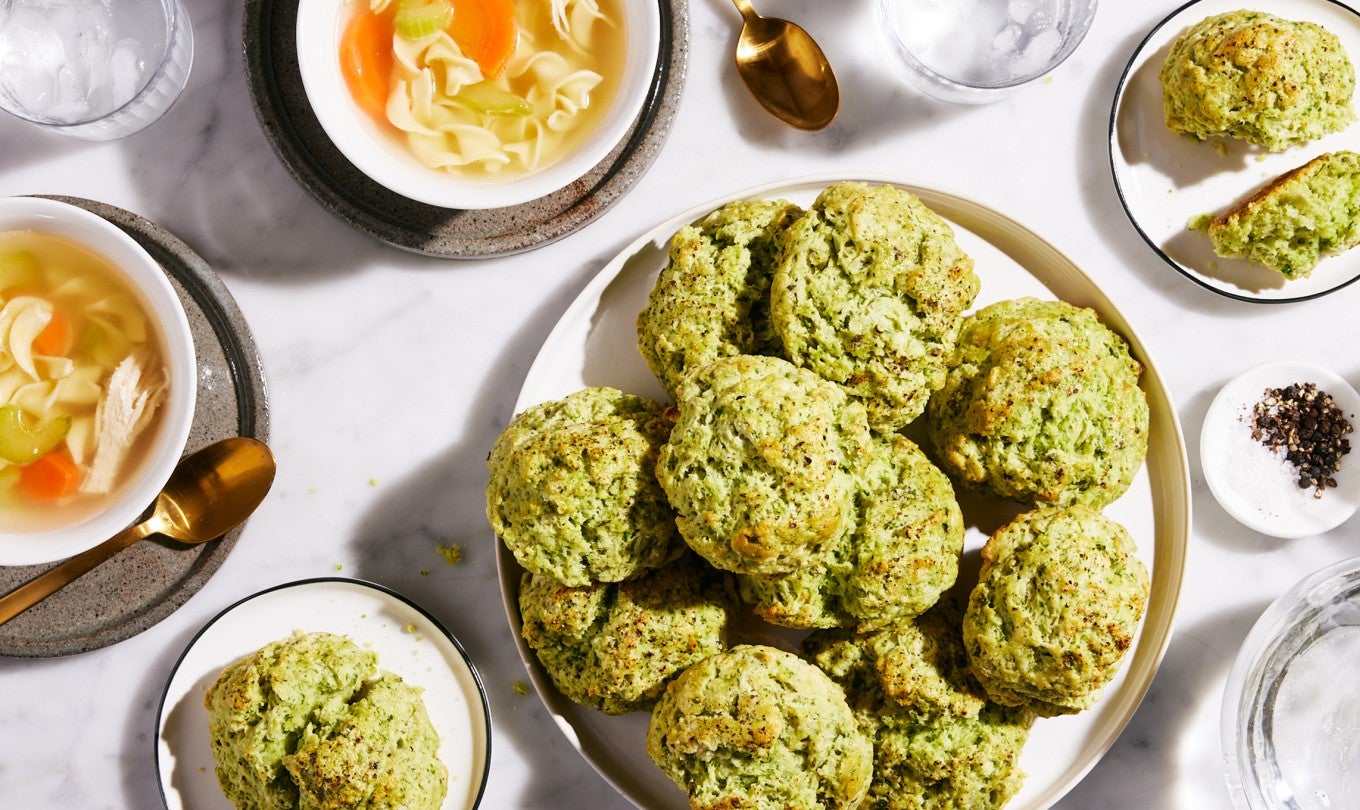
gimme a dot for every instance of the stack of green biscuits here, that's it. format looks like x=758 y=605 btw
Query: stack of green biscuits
x=804 y=349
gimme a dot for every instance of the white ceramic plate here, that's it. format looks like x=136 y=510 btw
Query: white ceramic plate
x=1254 y=484
x=1165 y=179
x=595 y=343
x=408 y=641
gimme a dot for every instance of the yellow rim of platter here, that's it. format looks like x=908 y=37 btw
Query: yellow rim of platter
x=1167 y=466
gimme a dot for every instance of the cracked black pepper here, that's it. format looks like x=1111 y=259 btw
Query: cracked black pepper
x=1306 y=426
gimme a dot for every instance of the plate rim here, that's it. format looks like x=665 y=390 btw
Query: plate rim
x=158 y=719
x=1112 y=137
x=1170 y=573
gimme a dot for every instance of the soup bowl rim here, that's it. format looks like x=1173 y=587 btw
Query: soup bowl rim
x=362 y=144
x=141 y=272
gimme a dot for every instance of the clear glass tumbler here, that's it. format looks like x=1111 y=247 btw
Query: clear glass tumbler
x=977 y=51
x=93 y=69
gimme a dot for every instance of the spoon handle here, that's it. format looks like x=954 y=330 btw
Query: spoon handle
x=43 y=586
x=744 y=6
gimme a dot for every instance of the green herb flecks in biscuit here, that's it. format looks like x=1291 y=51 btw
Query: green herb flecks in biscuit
x=1296 y=219
x=1055 y=609
x=578 y=500
x=615 y=646
x=712 y=299
x=1250 y=75
x=938 y=742
x=311 y=722
x=869 y=295
x=760 y=464
x=762 y=729
x=902 y=554
x=589 y=405
x=1041 y=404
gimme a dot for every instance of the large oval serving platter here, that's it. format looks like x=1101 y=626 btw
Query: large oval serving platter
x=595 y=343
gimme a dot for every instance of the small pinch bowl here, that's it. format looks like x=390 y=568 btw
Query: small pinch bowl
x=166 y=316
x=319 y=25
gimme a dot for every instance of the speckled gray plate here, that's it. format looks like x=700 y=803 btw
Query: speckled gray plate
x=297 y=137
x=151 y=579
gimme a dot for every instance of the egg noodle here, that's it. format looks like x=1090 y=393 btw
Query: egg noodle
x=554 y=68
x=86 y=392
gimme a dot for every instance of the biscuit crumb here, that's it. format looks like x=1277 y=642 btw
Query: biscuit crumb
x=521 y=688
x=452 y=553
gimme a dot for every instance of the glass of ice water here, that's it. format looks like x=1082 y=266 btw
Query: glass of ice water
x=93 y=69
x=976 y=51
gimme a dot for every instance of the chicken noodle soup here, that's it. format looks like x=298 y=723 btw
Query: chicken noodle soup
x=81 y=381
x=484 y=89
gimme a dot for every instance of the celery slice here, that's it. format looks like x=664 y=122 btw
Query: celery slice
x=21 y=442
x=492 y=99
x=420 y=18
x=18 y=268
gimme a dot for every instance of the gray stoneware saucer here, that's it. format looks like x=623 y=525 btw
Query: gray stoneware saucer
x=318 y=166
x=150 y=580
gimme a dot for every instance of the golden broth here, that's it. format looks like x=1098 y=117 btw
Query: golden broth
x=64 y=376
x=605 y=56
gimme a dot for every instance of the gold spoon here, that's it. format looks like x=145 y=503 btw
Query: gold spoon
x=785 y=70
x=208 y=494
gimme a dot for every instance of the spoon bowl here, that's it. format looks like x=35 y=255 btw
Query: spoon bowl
x=211 y=492
x=785 y=70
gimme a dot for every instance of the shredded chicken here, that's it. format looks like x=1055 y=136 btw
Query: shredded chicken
x=122 y=416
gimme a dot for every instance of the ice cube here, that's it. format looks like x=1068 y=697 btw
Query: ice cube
x=124 y=76
x=1006 y=39
x=1019 y=10
x=1038 y=53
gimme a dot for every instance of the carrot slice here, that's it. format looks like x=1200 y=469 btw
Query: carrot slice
x=55 y=338
x=485 y=31
x=366 y=61
x=53 y=476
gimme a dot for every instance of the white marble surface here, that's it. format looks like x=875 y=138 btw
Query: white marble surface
x=390 y=375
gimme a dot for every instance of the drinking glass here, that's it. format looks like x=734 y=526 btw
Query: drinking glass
x=93 y=69
x=977 y=51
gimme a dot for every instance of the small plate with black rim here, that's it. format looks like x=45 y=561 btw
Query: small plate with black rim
x=1165 y=179
x=408 y=641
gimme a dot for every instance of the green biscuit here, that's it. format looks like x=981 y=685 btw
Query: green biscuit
x=579 y=501
x=760 y=728
x=310 y=722
x=615 y=646
x=712 y=299
x=1295 y=220
x=1055 y=609
x=1041 y=404
x=958 y=763
x=760 y=465
x=869 y=295
x=598 y=404
x=1246 y=74
x=902 y=554
x=938 y=742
